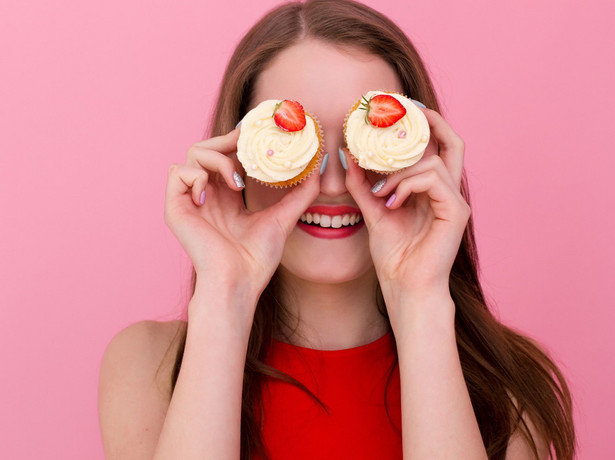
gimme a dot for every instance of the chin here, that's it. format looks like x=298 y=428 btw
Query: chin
x=328 y=267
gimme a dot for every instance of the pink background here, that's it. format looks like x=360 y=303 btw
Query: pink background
x=98 y=98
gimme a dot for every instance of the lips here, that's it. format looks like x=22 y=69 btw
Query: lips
x=330 y=222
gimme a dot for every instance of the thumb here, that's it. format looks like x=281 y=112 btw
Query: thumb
x=287 y=211
x=372 y=207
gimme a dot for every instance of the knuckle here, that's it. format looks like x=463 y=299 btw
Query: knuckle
x=433 y=161
x=459 y=143
x=437 y=163
x=173 y=168
x=466 y=210
x=192 y=152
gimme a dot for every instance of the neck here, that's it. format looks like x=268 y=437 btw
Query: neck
x=332 y=316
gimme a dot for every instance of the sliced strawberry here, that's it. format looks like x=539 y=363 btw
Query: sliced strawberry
x=289 y=115
x=383 y=110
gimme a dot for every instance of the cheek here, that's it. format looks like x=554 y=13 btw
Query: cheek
x=258 y=196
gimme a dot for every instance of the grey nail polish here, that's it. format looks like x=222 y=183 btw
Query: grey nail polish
x=238 y=180
x=324 y=164
x=238 y=124
x=378 y=185
x=420 y=104
x=342 y=158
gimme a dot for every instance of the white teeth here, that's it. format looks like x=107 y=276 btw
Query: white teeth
x=327 y=221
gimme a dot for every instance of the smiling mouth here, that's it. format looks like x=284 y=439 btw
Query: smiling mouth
x=326 y=221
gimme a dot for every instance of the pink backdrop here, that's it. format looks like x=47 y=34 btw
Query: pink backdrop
x=98 y=98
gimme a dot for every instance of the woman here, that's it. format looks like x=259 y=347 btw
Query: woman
x=398 y=296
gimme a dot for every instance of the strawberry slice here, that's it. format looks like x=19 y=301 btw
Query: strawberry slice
x=383 y=110
x=289 y=115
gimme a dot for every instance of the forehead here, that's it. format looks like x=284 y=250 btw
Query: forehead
x=327 y=79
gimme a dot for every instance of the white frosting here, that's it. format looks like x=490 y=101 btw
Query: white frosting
x=392 y=148
x=270 y=154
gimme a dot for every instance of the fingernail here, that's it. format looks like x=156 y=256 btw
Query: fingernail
x=202 y=198
x=238 y=180
x=390 y=200
x=378 y=185
x=420 y=104
x=238 y=124
x=324 y=164
x=342 y=158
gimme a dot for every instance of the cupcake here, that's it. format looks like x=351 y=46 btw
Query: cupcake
x=279 y=144
x=386 y=132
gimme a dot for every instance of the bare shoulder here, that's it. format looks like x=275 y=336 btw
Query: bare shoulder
x=519 y=448
x=145 y=340
x=135 y=387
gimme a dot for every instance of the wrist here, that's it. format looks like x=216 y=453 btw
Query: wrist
x=419 y=308
x=223 y=304
x=404 y=295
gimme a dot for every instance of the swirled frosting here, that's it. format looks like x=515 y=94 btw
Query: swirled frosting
x=387 y=149
x=270 y=154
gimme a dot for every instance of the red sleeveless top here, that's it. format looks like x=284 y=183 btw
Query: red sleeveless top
x=352 y=384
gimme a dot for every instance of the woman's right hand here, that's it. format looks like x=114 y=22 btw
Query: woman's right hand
x=229 y=246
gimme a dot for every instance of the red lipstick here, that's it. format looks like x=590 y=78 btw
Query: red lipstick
x=330 y=232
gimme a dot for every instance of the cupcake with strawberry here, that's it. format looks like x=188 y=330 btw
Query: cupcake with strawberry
x=279 y=144
x=386 y=132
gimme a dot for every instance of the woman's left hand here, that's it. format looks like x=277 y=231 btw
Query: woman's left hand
x=414 y=240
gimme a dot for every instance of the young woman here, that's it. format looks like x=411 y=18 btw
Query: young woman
x=363 y=343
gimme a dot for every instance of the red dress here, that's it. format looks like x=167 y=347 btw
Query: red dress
x=351 y=383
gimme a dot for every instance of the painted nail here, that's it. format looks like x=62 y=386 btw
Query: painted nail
x=420 y=104
x=324 y=164
x=238 y=180
x=202 y=199
x=378 y=185
x=238 y=124
x=390 y=200
x=342 y=158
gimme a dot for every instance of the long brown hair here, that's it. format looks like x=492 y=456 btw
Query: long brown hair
x=500 y=366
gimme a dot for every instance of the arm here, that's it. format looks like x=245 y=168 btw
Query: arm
x=203 y=419
x=138 y=417
x=436 y=406
x=438 y=420
x=234 y=254
x=416 y=222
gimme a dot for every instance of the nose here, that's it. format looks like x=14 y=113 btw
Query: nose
x=333 y=178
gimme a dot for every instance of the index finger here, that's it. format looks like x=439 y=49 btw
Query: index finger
x=451 y=146
x=225 y=144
